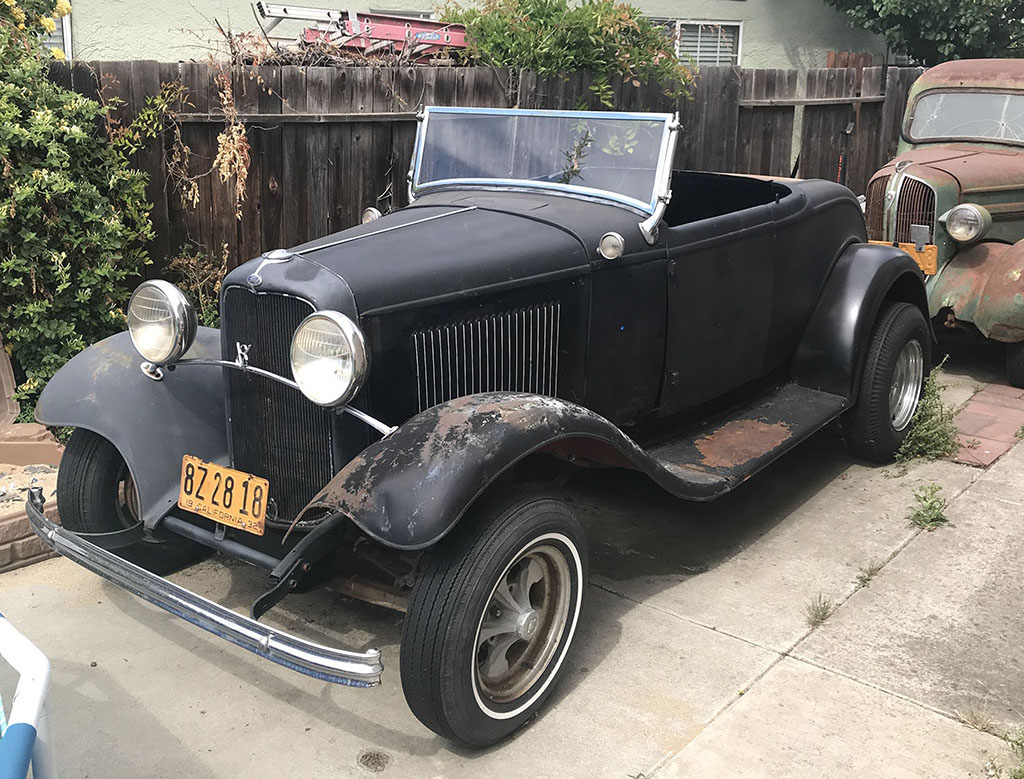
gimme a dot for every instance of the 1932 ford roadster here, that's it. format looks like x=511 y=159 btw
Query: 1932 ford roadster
x=389 y=404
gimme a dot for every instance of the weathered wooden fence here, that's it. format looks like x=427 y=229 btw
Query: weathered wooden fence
x=327 y=142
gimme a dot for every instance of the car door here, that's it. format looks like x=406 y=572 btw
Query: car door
x=721 y=278
x=626 y=349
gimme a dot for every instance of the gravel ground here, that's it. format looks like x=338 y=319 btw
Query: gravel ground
x=16 y=479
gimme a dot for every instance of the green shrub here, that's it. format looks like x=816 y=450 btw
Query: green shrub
x=552 y=37
x=73 y=216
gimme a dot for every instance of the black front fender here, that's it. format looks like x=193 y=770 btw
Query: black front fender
x=409 y=489
x=151 y=423
x=834 y=345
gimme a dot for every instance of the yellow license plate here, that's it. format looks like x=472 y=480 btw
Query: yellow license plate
x=224 y=495
x=927 y=259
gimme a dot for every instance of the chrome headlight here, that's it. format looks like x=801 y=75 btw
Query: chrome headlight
x=967 y=223
x=329 y=358
x=161 y=322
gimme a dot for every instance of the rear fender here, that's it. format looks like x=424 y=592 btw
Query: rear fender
x=409 y=489
x=832 y=351
x=982 y=285
x=151 y=423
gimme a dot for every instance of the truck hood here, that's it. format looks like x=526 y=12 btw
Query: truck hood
x=976 y=170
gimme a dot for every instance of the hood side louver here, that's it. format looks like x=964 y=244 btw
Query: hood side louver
x=513 y=351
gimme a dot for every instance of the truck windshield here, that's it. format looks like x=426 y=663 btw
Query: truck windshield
x=981 y=116
x=611 y=155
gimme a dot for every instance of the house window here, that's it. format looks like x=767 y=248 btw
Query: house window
x=61 y=37
x=709 y=43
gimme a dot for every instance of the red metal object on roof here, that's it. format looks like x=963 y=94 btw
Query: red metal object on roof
x=369 y=33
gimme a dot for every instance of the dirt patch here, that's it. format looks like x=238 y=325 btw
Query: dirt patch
x=16 y=479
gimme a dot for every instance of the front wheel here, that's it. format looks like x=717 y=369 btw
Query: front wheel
x=492 y=618
x=95 y=494
x=898 y=359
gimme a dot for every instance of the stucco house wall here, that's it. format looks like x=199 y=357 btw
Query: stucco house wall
x=775 y=33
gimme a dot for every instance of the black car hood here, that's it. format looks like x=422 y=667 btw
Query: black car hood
x=434 y=251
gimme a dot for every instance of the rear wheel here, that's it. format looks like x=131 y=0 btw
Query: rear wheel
x=1015 y=364
x=898 y=360
x=96 y=494
x=492 y=618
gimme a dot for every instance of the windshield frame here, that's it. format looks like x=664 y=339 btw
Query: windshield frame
x=912 y=114
x=660 y=185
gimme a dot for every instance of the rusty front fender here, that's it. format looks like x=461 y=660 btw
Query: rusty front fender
x=982 y=285
x=409 y=489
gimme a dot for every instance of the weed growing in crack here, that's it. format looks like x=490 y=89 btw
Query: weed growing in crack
x=1015 y=739
x=979 y=720
x=818 y=609
x=868 y=572
x=929 y=510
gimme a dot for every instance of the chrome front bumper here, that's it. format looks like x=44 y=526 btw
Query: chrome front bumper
x=356 y=669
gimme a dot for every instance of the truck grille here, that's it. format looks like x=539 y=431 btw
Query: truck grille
x=916 y=206
x=274 y=431
x=875 y=215
x=513 y=351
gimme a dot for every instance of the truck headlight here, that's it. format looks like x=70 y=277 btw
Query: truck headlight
x=161 y=322
x=967 y=223
x=329 y=358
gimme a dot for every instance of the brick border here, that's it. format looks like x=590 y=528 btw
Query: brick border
x=19 y=545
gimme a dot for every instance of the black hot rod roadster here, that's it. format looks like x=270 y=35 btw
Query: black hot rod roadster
x=387 y=406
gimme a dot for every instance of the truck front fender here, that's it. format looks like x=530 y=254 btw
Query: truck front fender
x=982 y=285
x=151 y=423
x=834 y=345
x=409 y=489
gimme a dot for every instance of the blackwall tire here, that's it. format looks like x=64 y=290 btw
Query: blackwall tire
x=492 y=618
x=899 y=359
x=95 y=495
x=1015 y=364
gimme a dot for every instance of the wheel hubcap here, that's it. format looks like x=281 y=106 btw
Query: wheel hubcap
x=905 y=390
x=127 y=498
x=522 y=623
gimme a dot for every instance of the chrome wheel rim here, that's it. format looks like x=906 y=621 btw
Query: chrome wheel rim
x=905 y=390
x=522 y=624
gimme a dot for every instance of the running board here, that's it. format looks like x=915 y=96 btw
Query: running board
x=724 y=453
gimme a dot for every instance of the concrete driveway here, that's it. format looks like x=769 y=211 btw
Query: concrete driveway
x=696 y=660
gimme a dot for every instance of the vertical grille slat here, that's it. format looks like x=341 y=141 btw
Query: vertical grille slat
x=275 y=431
x=514 y=351
x=875 y=216
x=916 y=206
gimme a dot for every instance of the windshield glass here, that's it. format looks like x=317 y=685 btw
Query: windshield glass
x=612 y=155
x=983 y=116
